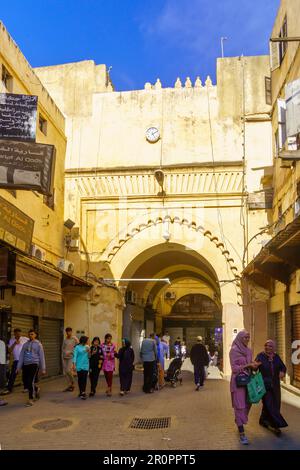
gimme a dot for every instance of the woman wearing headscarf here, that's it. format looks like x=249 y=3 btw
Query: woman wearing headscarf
x=241 y=362
x=272 y=369
x=126 y=367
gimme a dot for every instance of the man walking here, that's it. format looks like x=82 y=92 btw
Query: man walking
x=68 y=346
x=149 y=357
x=15 y=347
x=2 y=369
x=32 y=360
x=200 y=360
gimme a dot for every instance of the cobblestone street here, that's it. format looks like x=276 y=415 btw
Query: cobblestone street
x=199 y=420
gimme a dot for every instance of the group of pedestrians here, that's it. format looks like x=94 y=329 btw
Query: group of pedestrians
x=79 y=358
x=85 y=360
x=269 y=363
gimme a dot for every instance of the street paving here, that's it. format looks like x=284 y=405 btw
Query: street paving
x=199 y=420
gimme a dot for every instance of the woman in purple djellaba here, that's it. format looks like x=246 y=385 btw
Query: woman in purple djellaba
x=241 y=362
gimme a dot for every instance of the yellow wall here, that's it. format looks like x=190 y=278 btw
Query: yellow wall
x=213 y=138
x=48 y=228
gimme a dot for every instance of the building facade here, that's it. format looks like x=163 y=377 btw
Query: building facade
x=157 y=182
x=32 y=287
x=272 y=278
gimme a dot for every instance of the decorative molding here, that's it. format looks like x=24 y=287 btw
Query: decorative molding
x=198 y=182
x=114 y=247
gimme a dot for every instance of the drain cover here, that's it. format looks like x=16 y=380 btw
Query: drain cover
x=52 y=424
x=150 y=423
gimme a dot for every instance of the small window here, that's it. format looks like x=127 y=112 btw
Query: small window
x=49 y=200
x=7 y=79
x=283 y=45
x=42 y=125
x=268 y=90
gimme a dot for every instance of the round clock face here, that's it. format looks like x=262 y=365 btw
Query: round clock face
x=152 y=134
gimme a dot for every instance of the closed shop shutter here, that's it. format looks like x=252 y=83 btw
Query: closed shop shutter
x=296 y=336
x=24 y=322
x=51 y=337
x=275 y=330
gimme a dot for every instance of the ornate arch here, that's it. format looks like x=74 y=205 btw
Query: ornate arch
x=117 y=244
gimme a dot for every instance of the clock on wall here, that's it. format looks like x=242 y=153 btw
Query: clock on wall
x=152 y=134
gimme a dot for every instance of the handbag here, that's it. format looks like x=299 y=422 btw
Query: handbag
x=256 y=388
x=242 y=379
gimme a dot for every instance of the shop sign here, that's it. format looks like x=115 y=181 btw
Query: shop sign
x=25 y=165
x=16 y=228
x=18 y=116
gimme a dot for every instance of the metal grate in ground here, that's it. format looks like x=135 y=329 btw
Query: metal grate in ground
x=150 y=423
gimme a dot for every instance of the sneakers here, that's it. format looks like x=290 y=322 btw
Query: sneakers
x=197 y=388
x=29 y=403
x=3 y=403
x=92 y=394
x=25 y=390
x=122 y=394
x=83 y=396
x=244 y=440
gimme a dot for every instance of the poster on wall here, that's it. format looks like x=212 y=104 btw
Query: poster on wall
x=18 y=117
x=25 y=165
x=16 y=228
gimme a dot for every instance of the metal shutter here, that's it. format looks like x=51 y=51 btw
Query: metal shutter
x=24 y=322
x=275 y=331
x=296 y=336
x=50 y=337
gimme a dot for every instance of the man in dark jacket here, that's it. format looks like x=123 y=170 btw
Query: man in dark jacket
x=199 y=359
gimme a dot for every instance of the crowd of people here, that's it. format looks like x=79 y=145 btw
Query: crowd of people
x=79 y=359
x=84 y=360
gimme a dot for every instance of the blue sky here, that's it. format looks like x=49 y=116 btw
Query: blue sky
x=141 y=39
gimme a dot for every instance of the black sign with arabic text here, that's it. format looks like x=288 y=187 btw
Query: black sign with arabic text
x=18 y=117
x=25 y=165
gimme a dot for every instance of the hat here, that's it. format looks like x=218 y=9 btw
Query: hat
x=199 y=338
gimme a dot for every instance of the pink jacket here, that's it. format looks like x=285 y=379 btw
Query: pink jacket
x=109 y=357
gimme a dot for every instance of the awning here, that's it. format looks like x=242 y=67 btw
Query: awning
x=35 y=279
x=71 y=280
x=278 y=258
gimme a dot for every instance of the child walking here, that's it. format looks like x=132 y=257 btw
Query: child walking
x=96 y=361
x=109 y=351
x=81 y=364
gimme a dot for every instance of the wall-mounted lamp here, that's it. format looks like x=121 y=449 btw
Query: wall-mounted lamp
x=160 y=176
